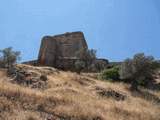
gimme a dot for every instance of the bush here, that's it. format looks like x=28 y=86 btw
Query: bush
x=79 y=66
x=43 y=78
x=110 y=74
x=138 y=70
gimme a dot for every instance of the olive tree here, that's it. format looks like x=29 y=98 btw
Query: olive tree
x=79 y=66
x=139 y=69
x=87 y=56
x=9 y=57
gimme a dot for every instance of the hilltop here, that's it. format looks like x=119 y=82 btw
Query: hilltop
x=69 y=96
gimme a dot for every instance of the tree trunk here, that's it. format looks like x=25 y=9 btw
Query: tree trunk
x=134 y=85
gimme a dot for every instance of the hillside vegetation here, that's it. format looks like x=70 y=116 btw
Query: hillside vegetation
x=70 y=96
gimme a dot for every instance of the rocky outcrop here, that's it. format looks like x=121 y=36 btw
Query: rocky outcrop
x=33 y=77
x=109 y=93
x=60 y=51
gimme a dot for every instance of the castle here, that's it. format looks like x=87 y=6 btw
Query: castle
x=59 y=51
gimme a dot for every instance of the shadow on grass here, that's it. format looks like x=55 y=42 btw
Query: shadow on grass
x=151 y=85
x=146 y=95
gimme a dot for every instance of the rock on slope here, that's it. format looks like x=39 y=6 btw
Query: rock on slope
x=68 y=96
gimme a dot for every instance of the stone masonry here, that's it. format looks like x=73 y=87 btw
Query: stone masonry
x=60 y=51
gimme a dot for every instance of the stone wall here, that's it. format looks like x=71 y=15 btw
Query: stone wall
x=48 y=49
x=60 y=50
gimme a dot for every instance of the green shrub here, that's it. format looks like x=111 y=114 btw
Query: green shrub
x=110 y=74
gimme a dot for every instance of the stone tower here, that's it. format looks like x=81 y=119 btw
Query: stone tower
x=60 y=50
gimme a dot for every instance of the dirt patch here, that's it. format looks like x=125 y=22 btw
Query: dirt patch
x=3 y=73
x=84 y=81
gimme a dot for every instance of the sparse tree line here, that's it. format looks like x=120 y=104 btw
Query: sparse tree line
x=137 y=71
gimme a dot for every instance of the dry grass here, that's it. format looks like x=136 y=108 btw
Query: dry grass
x=70 y=96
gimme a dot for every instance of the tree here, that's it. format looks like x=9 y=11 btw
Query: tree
x=79 y=65
x=87 y=56
x=9 y=57
x=2 y=65
x=139 y=70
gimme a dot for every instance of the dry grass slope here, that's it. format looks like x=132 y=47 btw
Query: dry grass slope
x=69 y=96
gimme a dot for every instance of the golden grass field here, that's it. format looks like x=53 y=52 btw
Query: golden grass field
x=69 y=96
